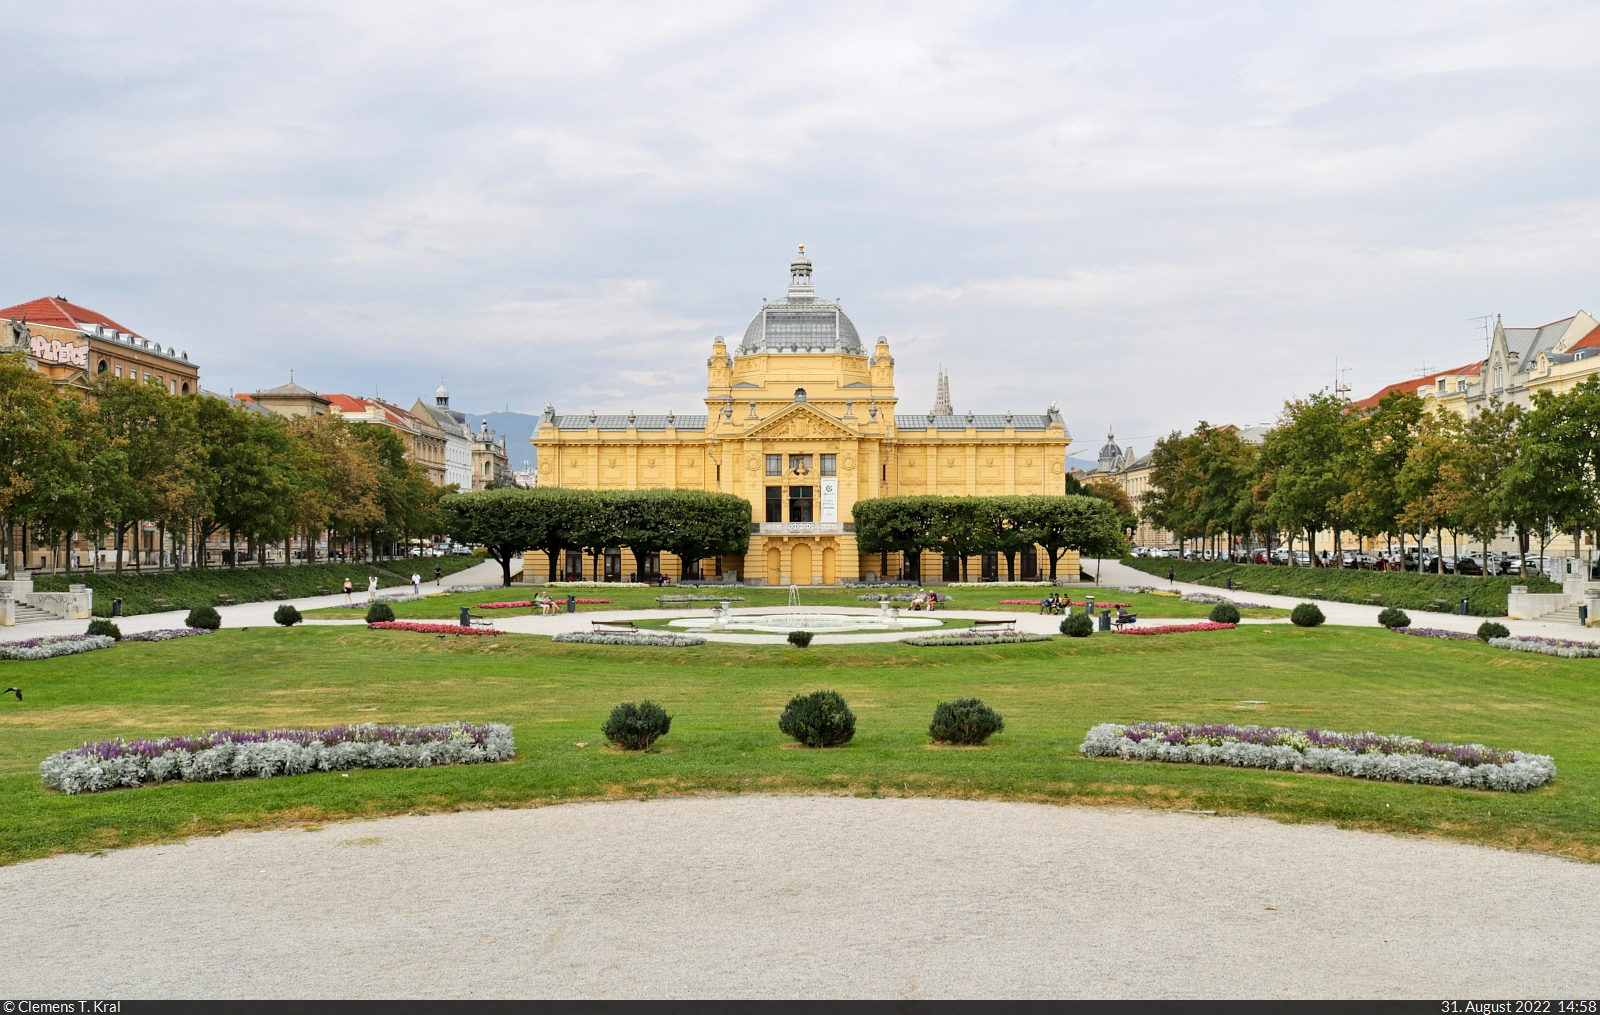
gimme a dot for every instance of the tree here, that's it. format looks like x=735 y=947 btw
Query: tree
x=1377 y=445
x=1301 y=458
x=1086 y=524
x=1489 y=448
x=503 y=519
x=147 y=426
x=886 y=525
x=1430 y=484
x=702 y=524
x=958 y=527
x=1005 y=531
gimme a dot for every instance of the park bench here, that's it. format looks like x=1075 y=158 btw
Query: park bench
x=996 y=625
x=161 y=605
x=674 y=600
x=477 y=621
x=279 y=594
x=601 y=626
x=224 y=599
x=1123 y=618
x=321 y=590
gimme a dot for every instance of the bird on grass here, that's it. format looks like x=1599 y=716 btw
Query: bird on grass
x=12 y=690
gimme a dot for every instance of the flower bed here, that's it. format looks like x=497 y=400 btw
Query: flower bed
x=239 y=754
x=167 y=634
x=970 y=637
x=423 y=627
x=51 y=646
x=597 y=585
x=1361 y=755
x=1069 y=602
x=643 y=638
x=1549 y=646
x=506 y=606
x=996 y=585
x=1204 y=625
x=1434 y=632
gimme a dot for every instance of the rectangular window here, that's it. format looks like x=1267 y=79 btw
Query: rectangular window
x=691 y=570
x=774 y=465
x=830 y=465
x=613 y=557
x=774 y=503
x=952 y=568
x=574 y=565
x=119 y=369
x=1030 y=563
x=991 y=566
x=800 y=464
x=800 y=503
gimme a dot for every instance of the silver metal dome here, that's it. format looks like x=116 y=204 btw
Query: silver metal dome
x=800 y=322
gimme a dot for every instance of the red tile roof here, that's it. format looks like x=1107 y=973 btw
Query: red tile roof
x=344 y=403
x=1371 y=402
x=1589 y=341
x=57 y=312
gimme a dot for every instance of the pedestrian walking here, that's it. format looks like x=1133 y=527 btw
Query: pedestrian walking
x=1172 y=574
x=372 y=588
x=347 y=588
x=416 y=584
x=438 y=575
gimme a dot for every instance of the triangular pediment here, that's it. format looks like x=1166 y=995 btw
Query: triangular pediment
x=801 y=420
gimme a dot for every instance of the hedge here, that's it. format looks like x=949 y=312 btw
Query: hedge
x=1486 y=597
x=244 y=584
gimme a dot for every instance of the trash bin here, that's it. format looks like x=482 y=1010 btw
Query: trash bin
x=466 y=616
x=572 y=604
x=1105 y=618
x=1464 y=610
x=1088 y=605
x=116 y=606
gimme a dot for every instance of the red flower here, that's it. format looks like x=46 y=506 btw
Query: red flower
x=424 y=628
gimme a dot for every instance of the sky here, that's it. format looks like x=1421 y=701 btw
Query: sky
x=1151 y=213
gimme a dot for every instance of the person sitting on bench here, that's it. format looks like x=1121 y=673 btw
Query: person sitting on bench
x=1124 y=617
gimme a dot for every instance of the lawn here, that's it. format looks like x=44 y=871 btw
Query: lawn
x=449 y=606
x=725 y=701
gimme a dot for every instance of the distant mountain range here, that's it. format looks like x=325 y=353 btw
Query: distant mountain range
x=517 y=428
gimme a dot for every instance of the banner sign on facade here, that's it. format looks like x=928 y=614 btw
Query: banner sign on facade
x=830 y=500
x=49 y=350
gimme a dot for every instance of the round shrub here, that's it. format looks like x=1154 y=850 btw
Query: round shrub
x=286 y=616
x=799 y=639
x=964 y=721
x=818 y=719
x=380 y=613
x=105 y=627
x=1078 y=625
x=204 y=616
x=1393 y=617
x=1307 y=615
x=1224 y=613
x=1489 y=629
x=635 y=727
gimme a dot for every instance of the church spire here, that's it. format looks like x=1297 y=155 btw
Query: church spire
x=941 y=398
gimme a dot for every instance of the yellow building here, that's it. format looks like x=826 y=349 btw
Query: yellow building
x=800 y=420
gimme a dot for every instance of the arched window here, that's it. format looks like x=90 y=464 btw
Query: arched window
x=103 y=367
x=185 y=387
x=799 y=394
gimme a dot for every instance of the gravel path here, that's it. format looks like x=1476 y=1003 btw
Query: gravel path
x=802 y=896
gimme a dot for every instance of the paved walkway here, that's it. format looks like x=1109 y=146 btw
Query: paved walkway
x=1113 y=575
x=246 y=614
x=1349 y=614
x=803 y=896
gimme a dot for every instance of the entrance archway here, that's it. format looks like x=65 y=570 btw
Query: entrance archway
x=800 y=564
x=774 y=566
x=830 y=569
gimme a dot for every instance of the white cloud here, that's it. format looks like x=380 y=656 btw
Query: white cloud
x=1152 y=212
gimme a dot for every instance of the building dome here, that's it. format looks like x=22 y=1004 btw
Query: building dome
x=1110 y=452
x=800 y=322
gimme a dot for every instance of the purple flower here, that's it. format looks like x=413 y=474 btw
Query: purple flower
x=1357 y=743
x=1434 y=632
x=107 y=750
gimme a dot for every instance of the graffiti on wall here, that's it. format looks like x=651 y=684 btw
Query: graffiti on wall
x=49 y=350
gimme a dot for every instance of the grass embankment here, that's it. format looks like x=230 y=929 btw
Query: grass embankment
x=157 y=591
x=449 y=607
x=1438 y=593
x=725 y=700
